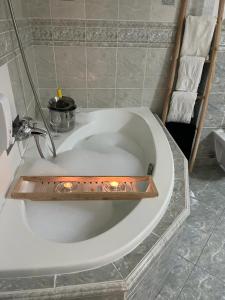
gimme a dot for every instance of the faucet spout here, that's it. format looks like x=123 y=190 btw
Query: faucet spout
x=27 y=128
x=38 y=132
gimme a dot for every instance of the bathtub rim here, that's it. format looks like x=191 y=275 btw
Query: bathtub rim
x=93 y=263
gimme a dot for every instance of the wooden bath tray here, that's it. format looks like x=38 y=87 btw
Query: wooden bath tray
x=59 y=188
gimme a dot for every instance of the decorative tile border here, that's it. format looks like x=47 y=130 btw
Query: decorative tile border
x=102 y=32
x=142 y=34
x=67 y=30
x=99 y=34
x=92 y=33
x=113 y=280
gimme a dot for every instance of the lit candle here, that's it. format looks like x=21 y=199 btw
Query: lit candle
x=67 y=186
x=114 y=185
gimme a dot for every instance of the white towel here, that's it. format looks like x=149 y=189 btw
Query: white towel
x=198 y=35
x=189 y=74
x=181 y=107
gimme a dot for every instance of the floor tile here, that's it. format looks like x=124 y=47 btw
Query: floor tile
x=189 y=243
x=202 y=216
x=213 y=255
x=201 y=285
x=200 y=177
x=212 y=197
x=204 y=170
x=176 y=279
x=217 y=180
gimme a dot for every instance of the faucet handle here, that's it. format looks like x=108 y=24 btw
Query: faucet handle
x=26 y=122
x=29 y=123
x=26 y=118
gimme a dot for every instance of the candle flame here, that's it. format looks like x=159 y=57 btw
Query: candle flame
x=68 y=185
x=114 y=184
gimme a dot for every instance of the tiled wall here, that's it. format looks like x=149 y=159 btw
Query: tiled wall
x=17 y=89
x=114 y=53
x=13 y=85
x=9 y=54
x=104 y=53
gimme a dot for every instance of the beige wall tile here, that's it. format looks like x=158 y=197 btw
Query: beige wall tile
x=45 y=95
x=37 y=8
x=130 y=67
x=44 y=56
x=71 y=66
x=68 y=9
x=79 y=95
x=128 y=97
x=134 y=9
x=101 y=67
x=4 y=13
x=29 y=97
x=164 y=13
x=153 y=99
x=17 y=86
x=157 y=68
x=101 y=98
x=101 y=9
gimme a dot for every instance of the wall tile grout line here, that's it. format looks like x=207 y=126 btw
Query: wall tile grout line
x=53 y=47
x=23 y=88
x=143 y=85
x=86 y=58
x=116 y=70
x=35 y=66
x=55 y=279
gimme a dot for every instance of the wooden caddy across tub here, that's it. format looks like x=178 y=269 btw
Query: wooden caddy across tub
x=59 y=188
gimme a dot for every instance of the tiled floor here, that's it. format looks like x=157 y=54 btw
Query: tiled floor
x=199 y=268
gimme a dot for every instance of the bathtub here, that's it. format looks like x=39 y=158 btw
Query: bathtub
x=46 y=237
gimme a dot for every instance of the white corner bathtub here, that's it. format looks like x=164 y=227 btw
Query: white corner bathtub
x=47 y=237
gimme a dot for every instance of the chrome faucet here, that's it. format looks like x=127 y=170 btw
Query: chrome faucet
x=26 y=128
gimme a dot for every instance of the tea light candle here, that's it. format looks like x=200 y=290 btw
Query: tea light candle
x=68 y=185
x=114 y=185
x=65 y=187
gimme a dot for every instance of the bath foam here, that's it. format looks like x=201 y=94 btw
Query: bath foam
x=73 y=221
x=108 y=154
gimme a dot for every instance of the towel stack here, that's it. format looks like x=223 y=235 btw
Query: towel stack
x=195 y=48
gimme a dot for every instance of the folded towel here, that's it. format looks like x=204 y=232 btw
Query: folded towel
x=181 y=107
x=189 y=74
x=198 y=35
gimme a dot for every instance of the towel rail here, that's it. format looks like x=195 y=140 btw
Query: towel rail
x=211 y=74
x=174 y=63
x=211 y=63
